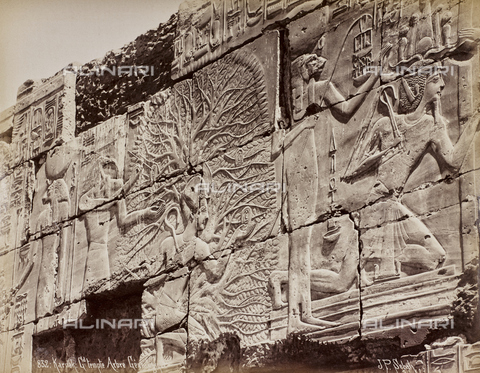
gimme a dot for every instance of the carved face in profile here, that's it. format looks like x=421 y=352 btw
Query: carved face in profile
x=313 y=66
x=109 y=169
x=433 y=88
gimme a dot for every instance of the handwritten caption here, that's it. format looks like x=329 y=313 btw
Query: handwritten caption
x=83 y=364
x=394 y=364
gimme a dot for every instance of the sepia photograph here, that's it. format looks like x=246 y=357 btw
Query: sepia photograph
x=239 y=186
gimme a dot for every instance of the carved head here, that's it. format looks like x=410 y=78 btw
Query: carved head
x=422 y=86
x=403 y=32
x=309 y=66
x=194 y=203
x=108 y=167
x=446 y=18
x=415 y=17
x=434 y=87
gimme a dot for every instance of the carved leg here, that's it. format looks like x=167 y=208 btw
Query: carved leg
x=299 y=296
x=276 y=279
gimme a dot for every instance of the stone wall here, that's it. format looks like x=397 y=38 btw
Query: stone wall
x=294 y=188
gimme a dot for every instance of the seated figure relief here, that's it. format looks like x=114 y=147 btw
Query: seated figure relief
x=392 y=148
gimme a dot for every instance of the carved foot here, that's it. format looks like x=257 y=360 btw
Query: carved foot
x=311 y=324
x=314 y=321
x=364 y=278
x=277 y=304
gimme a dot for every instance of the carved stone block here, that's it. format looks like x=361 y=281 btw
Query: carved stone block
x=42 y=276
x=329 y=49
x=165 y=307
x=236 y=293
x=19 y=349
x=207 y=30
x=100 y=190
x=471 y=357
x=158 y=135
x=235 y=99
x=226 y=104
x=68 y=316
x=44 y=116
x=451 y=355
x=322 y=282
x=6 y=284
x=17 y=198
x=155 y=225
x=409 y=307
x=55 y=197
x=245 y=195
x=6 y=154
x=101 y=169
x=8 y=218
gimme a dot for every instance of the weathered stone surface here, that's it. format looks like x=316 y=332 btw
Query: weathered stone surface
x=165 y=305
x=7 y=230
x=44 y=116
x=322 y=278
x=301 y=194
x=41 y=281
x=17 y=190
x=158 y=135
x=327 y=69
x=451 y=355
x=18 y=354
x=100 y=97
x=101 y=167
x=208 y=29
x=245 y=195
x=234 y=293
x=235 y=99
x=67 y=317
x=55 y=195
x=6 y=283
x=6 y=151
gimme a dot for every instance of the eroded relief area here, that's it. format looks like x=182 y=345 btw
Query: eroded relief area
x=305 y=192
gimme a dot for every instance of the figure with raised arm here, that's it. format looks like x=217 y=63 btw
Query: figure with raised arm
x=102 y=203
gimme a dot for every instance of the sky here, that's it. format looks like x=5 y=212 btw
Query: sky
x=40 y=37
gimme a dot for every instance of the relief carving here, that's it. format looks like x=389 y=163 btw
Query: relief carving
x=229 y=107
x=207 y=30
x=165 y=303
x=312 y=94
x=158 y=135
x=408 y=110
x=50 y=247
x=102 y=203
x=243 y=217
x=44 y=117
x=7 y=232
x=239 y=302
x=392 y=148
x=21 y=196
